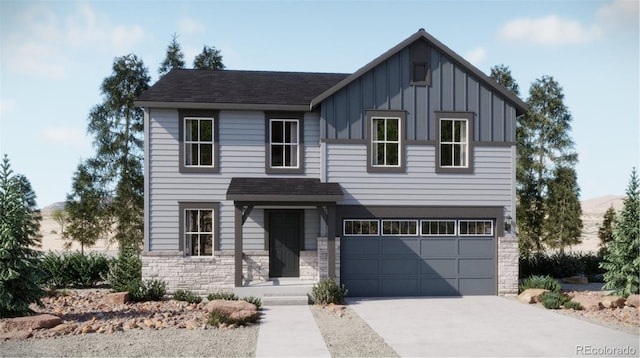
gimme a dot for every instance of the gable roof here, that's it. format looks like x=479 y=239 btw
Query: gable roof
x=231 y=89
x=521 y=106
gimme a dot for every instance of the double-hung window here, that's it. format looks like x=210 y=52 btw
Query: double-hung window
x=386 y=141
x=198 y=141
x=454 y=133
x=284 y=144
x=198 y=224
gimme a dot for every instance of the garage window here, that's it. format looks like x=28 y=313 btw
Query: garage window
x=400 y=227
x=438 y=227
x=475 y=227
x=361 y=227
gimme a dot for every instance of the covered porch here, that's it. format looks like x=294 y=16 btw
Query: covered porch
x=284 y=200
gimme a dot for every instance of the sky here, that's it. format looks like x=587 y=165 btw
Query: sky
x=54 y=56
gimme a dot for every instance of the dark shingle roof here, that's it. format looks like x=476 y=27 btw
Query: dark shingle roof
x=283 y=189
x=240 y=87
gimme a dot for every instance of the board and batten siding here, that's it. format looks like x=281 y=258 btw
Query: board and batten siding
x=491 y=184
x=388 y=87
x=242 y=154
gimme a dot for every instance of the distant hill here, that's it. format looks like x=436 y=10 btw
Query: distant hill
x=593 y=211
x=52 y=207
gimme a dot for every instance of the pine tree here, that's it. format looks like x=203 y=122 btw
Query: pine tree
x=622 y=259
x=85 y=207
x=543 y=144
x=174 y=58
x=19 y=263
x=605 y=231
x=209 y=59
x=502 y=75
x=117 y=125
x=563 y=224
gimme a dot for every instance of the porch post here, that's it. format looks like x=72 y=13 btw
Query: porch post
x=331 y=240
x=238 y=246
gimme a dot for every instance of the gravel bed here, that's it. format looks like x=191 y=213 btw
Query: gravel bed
x=213 y=342
x=347 y=335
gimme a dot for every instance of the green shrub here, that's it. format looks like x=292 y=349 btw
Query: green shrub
x=256 y=301
x=553 y=300
x=187 y=296
x=74 y=269
x=546 y=282
x=560 y=265
x=573 y=305
x=229 y=296
x=217 y=318
x=124 y=271
x=328 y=291
x=147 y=290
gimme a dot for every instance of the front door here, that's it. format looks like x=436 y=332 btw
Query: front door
x=285 y=235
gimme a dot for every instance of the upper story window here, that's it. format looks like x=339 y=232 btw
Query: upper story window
x=454 y=133
x=198 y=141
x=386 y=141
x=198 y=224
x=284 y=143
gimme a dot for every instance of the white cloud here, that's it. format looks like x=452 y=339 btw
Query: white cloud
x=44 y=43
x=476 y=56
x=619 y=15
x=189 y=26
x=550 y=30
x=65 y=136
x=125 y=38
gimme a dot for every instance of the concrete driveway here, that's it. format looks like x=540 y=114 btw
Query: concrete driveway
x=486 y=326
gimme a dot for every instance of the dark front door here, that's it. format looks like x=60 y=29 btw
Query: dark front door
x=285 y=235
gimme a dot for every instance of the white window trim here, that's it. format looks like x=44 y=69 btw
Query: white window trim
x=455 y=227
x=399 y=220
x=188 y=249
x=464 y=143
x=374 y=142
x=199 y=142
x=297 y=143
x=344 y=227
x=490 y=222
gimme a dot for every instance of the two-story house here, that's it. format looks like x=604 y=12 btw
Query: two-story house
x=397 y=180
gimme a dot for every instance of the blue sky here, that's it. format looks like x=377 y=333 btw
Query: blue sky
x=54 y=56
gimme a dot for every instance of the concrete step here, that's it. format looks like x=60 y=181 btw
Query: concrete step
x=285 y=300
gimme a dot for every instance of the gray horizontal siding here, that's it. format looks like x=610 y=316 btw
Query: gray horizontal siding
x=388 y=87
x=242 y=153
x=490 y=185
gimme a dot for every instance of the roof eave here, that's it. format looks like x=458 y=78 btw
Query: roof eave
x=284 y=198
x=235 y=106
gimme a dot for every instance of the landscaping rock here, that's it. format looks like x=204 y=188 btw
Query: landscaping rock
x=118 y=298
x=531 y=295
x=30 y=323
x=633 y=301
x=612 y=301
x=15 y=335
x=576 y=280
x=589 y=303
x=237 y=310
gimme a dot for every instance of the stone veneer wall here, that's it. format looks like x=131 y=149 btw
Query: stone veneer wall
x=204 y=275
x=323 y=258
x=508 y=256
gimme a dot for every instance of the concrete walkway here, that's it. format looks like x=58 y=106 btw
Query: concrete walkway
x=487 y=326
x=289 y=331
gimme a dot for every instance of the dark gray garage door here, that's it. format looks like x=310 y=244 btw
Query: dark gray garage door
x=462 y=262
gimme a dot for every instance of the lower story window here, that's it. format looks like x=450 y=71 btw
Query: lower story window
x=475 y=227
x=199 y=232
x=361 y=227
x=399 y=227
